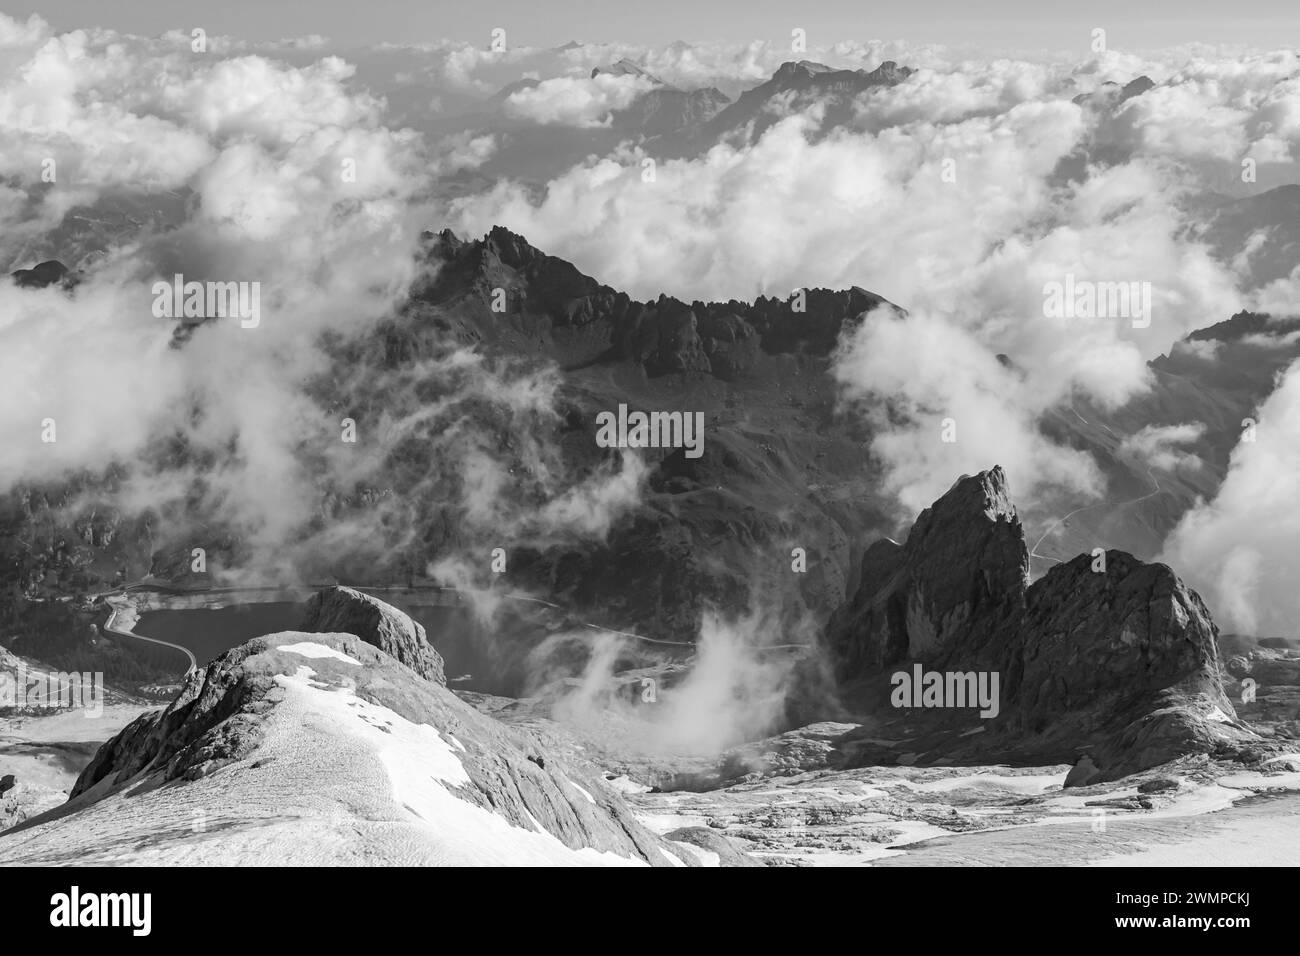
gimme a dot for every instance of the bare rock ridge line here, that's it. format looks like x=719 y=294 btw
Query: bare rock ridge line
x=586 y=321
x=222 y=717
x=1121 y=663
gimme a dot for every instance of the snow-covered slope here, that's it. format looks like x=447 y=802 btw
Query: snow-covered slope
x=311 y=749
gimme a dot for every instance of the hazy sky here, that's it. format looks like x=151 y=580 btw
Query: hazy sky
x=994 y=25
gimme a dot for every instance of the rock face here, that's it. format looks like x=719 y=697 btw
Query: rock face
x=961 y=574
x=1120 y=661
x=214 y=720
x=581 y=321
x=324 y=748
x=343 y=610
x=43 y=274
x=1129 y=650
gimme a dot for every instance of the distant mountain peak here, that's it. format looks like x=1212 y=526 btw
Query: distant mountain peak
x=806 y=67
x=44 y=274
x=1137 y=87
x=1113 y=94
x=806 y=75
x=626 y=67
x=1245 y=324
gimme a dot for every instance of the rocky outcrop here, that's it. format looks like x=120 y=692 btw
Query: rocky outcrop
x=343 y=610
x=1114 y=658
x=1121 y=660
x=43 y=274
x=960 y=577
x=1110 y=94
x=1102 y=636
x=214 y=720
x=333 y=702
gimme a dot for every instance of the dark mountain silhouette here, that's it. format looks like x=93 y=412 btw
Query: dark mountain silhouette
x=793 y=87
x=1104 y=654
x=42 y=275
x=1111 y=94
x=1106 y=141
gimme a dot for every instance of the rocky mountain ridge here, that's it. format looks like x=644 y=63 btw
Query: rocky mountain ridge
x=319 y=747
x=1104 y=655
x=786 y=466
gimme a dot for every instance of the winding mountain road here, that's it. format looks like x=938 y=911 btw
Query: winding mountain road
x=108 y=628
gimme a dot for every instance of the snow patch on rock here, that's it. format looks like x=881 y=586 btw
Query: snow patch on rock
x=312 y=649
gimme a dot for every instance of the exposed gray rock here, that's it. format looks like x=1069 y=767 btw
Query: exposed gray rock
x=343 y=610
x=42 y=275
x=1124 y=660
x=1120 y=661
x=222 y=715
x=961 y=576
x=1082 y=773
x=729 y=854
x=213 y=721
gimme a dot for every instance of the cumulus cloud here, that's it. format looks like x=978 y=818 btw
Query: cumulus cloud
x=940 y=405
x=577 y=101
x=960 y=194
x=289 y=179
x=465 y=151
x=1157 y=445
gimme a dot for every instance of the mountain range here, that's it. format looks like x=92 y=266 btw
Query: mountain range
x=787 y=466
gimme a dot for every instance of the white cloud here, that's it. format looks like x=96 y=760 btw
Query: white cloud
x=1156 y=446
x=948 y=199
x=940 y=404
x=1239 y=550
x=577 y=101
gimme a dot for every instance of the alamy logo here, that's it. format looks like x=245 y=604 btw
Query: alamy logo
x=651 y=430
x=103 y=909
x=946 y=689
x=52 y=690
x=208 y=300
x=1083 y=299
